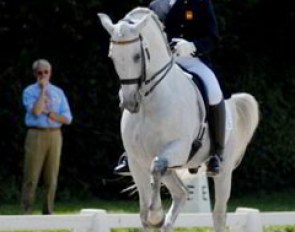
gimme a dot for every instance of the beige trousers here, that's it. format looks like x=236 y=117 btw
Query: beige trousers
x=42 y=157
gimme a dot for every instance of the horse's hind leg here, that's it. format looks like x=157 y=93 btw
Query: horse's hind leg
x=178 y=193
x=222 y=186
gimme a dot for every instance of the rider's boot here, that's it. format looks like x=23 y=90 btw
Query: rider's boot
x=122 y=168
x=217 y=129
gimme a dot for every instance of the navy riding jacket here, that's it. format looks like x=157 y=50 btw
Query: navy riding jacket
x=192 y=20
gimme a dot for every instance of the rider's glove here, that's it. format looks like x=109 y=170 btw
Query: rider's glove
x=183 y=48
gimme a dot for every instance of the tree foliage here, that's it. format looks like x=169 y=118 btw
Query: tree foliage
x=255 y=55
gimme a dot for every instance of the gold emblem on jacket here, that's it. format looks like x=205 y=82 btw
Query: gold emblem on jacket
x=189 y=15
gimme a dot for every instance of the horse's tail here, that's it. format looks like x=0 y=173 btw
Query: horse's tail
x=247 y=116
x=248 y=112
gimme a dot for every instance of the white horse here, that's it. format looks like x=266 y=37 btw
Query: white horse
x=163 y=114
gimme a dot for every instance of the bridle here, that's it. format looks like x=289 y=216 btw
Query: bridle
x=142 y=79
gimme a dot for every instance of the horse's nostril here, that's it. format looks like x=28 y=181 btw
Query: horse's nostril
x=136 y=107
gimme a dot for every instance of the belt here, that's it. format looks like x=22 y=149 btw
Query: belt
x=45 y=128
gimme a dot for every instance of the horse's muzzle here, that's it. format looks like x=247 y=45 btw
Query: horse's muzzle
x=131 y=104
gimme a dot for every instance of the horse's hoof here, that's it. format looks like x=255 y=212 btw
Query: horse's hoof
x=156 y=218
x=158 y=224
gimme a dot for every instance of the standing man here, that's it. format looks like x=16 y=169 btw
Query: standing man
x=47 y=109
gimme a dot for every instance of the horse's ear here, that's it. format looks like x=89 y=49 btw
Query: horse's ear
x=138 y=26
x=106 y=22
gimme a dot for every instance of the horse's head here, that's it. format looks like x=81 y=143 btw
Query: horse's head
x=126 y=50
x=131 y=53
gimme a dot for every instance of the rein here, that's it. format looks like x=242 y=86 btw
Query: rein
x=142 y=78
x=165 y=69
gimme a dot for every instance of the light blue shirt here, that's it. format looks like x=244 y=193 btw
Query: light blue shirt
x=57 y=103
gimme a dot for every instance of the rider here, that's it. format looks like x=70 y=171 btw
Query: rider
x=191 y=25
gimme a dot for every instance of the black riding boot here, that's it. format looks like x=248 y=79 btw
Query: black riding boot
x=217 y=130
x=122 y=168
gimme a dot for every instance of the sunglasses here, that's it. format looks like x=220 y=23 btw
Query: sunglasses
x=40 y=73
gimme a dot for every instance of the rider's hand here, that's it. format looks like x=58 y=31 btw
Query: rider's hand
x=183 y=48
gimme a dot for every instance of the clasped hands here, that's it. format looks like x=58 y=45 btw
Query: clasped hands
x=183 y=48
x=49 y=113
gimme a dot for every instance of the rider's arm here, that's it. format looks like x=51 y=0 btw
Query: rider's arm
x=208 y=42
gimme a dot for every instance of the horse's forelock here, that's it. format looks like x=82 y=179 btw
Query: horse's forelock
x=122 y=30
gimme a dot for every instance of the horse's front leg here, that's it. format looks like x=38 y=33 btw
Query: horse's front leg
x=171 y=156
x=156 y=214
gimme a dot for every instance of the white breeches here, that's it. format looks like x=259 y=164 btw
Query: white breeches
x=195 y=65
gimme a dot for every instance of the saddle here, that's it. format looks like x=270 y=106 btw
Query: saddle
x=201 y=87
x=197 y=143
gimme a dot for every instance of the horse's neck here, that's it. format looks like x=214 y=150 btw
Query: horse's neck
x=174 y=84
x=158 y=49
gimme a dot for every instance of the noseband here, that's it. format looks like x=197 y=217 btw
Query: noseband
x=142 y=78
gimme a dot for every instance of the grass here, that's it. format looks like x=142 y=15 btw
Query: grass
x=272 y=201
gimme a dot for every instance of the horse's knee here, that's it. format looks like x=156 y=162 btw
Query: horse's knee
x=159 y=166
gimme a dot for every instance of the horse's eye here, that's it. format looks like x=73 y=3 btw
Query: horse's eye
x=136 y=57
